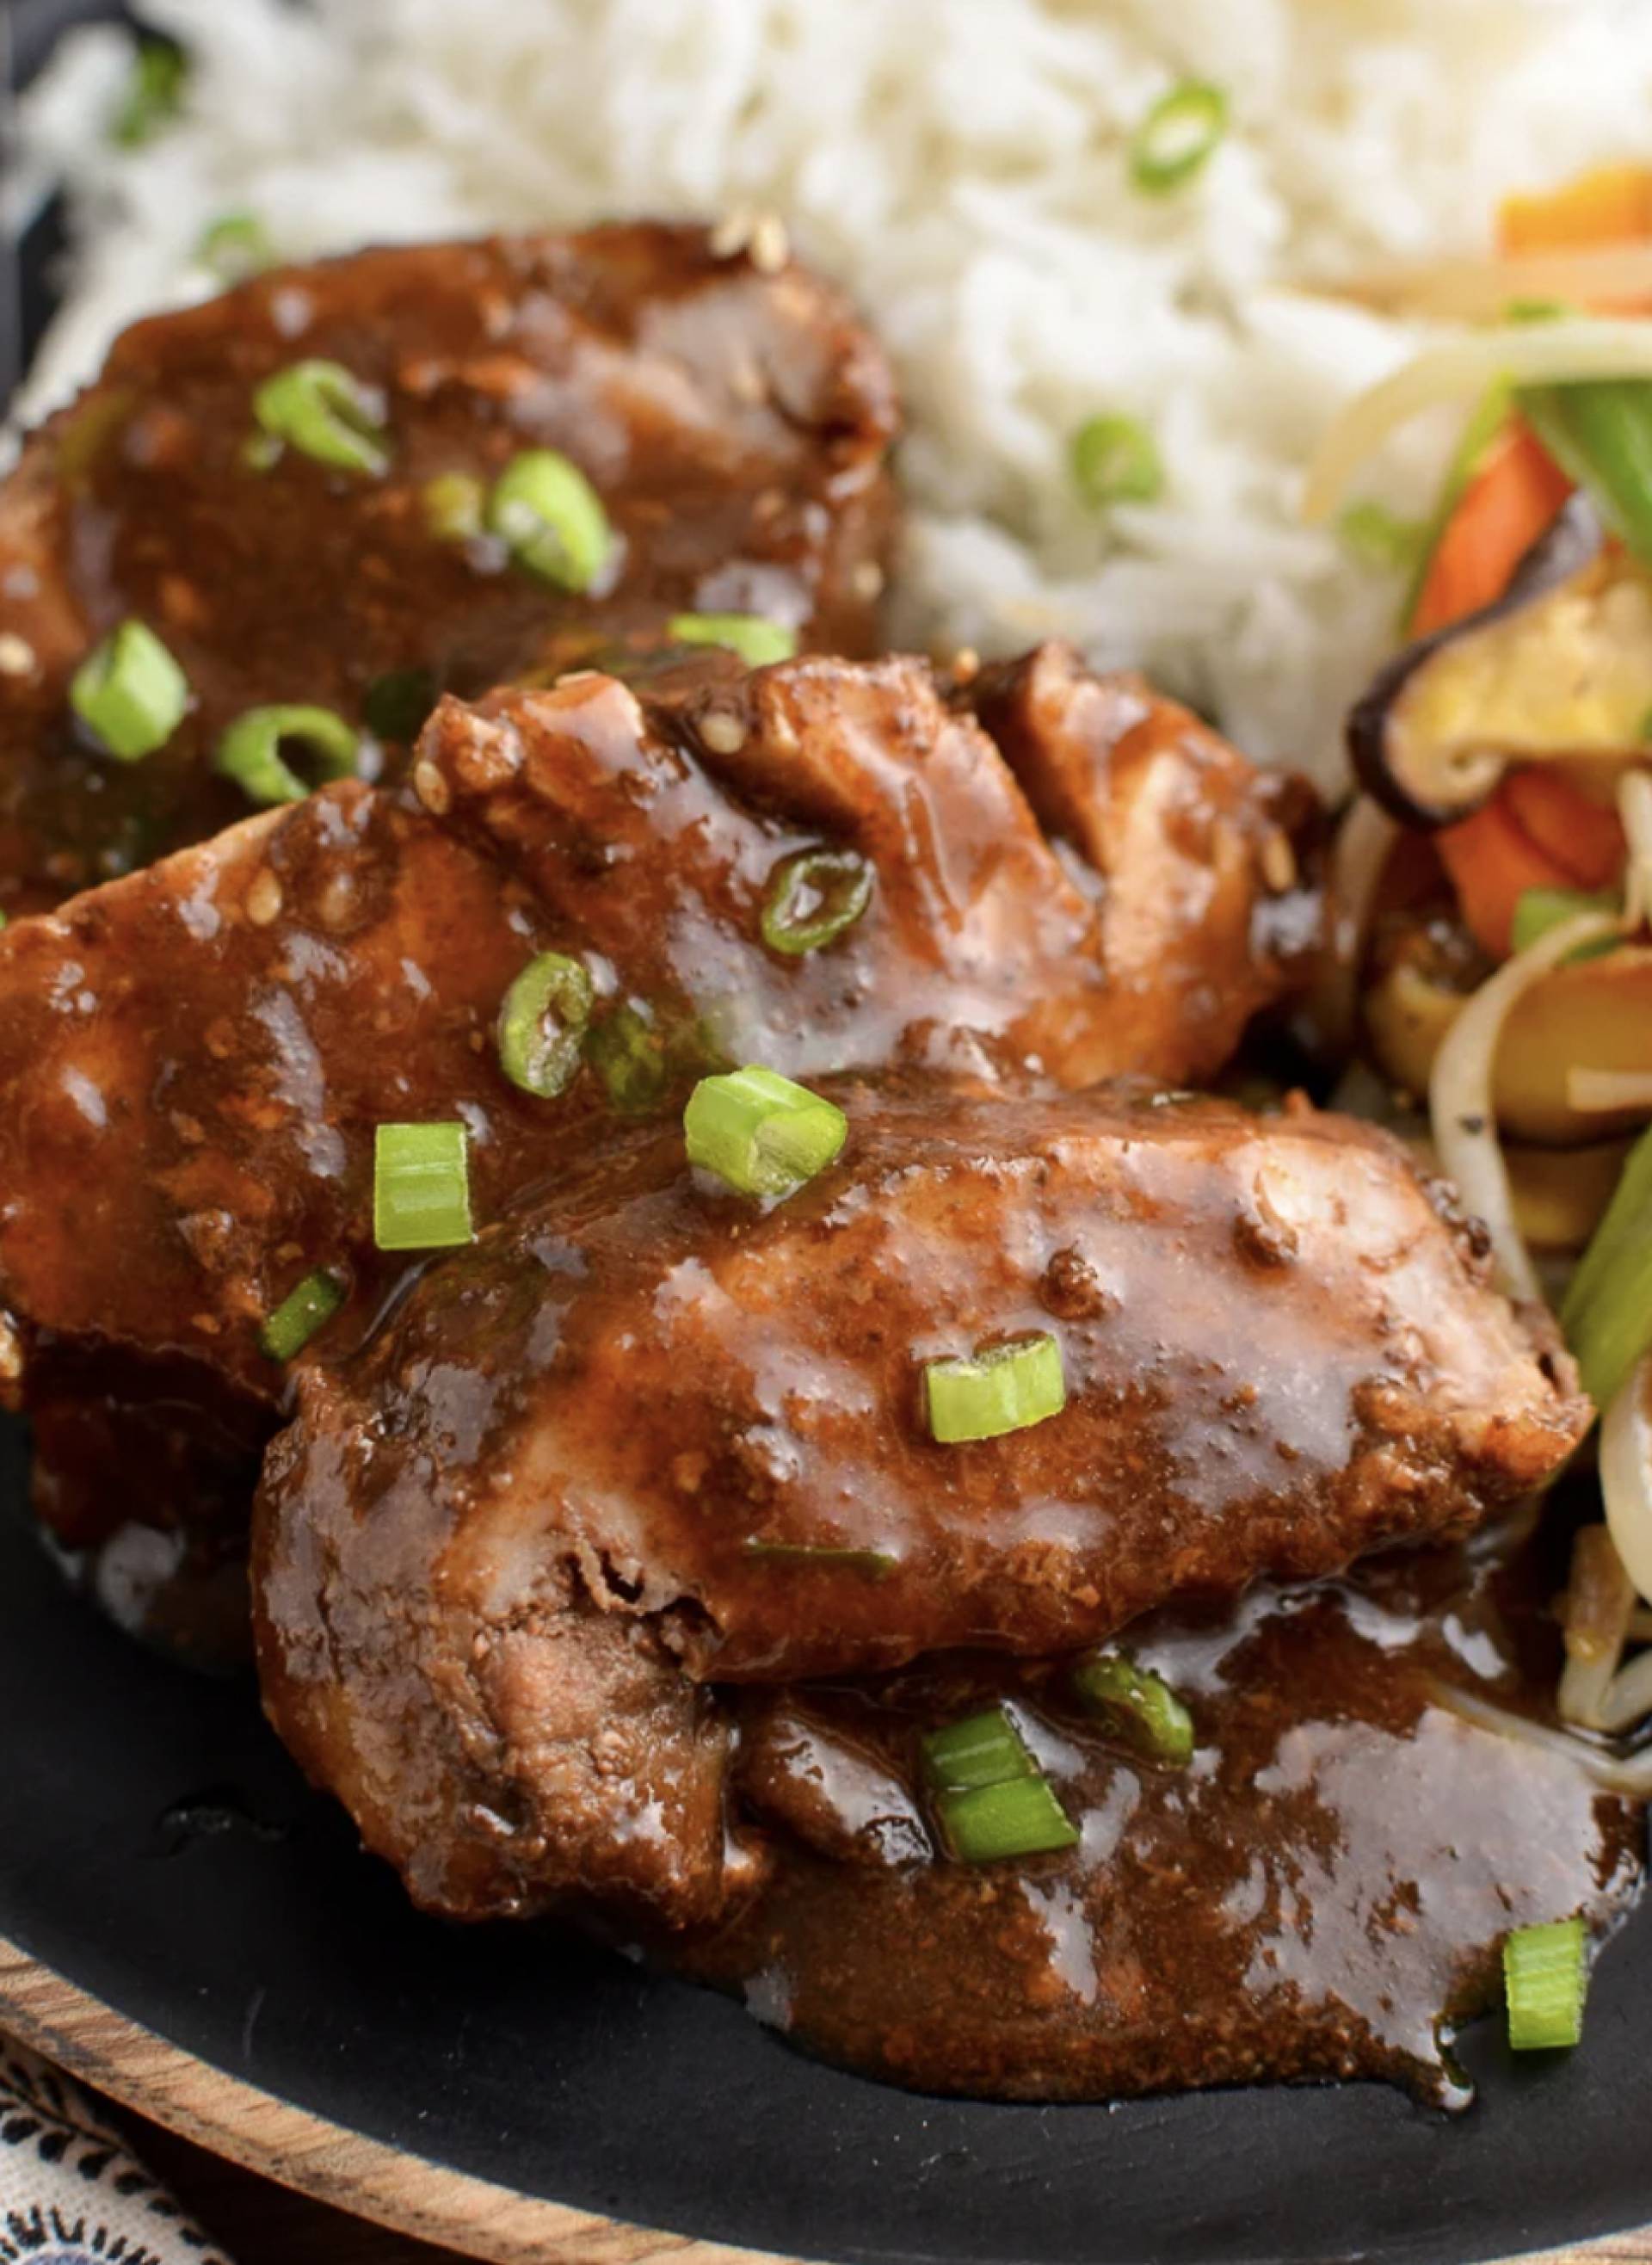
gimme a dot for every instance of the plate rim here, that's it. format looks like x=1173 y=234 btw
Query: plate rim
x=294 y=2147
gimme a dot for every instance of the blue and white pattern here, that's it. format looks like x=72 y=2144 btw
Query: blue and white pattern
x=71 y=2192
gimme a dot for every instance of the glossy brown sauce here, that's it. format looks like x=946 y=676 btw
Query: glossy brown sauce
x=1322 y=1892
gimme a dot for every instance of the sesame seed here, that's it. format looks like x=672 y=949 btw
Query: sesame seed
x=732 y=233
x=770 y=245
x=16 y=654
x=432 y=789
x=1278 y=863
x=264 y=899
x=723 y=731
x=966 y=664
x=867 y=581
x=10 y=1351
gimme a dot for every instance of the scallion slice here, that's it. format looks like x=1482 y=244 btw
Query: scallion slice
x=760 y=1133
x=542 y=1024
x=758 y=642
x=1546 y=1972
x=1600 y=432
x=1539 y=910
x=1021 y=1817
x=628 y=1051
x=996 y=1389
x=1178 y=137
x=236 y=247
x=249 y=752
x=1116 y=459
x=131 y=692
x=1607 y=1313
x=154 y=95
x=303 y=1311
x=323 y=411
x=874 y=1565
x=813 y=897
x=454 y=506
x=551 y=517
x=984 y=1749
x=421 y=1187
x=1140 y=1705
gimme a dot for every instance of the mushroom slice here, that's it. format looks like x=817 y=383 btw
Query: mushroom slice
x=1561 y=666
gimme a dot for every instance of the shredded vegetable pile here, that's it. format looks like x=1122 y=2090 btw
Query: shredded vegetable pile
x=1494 y=875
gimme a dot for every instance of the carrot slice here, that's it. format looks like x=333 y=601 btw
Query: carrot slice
x=1611 y=205
x=1506 y=505
x=1492 y=865
x=1584 y=838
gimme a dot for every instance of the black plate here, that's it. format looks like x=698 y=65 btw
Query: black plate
x=158 y=1850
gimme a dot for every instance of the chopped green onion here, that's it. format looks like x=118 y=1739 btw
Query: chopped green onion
x=1140 y=1704
x=131 y=692
x=421 y=1187
x=1607 y=1313
x=542 y=1024
x=758 y=642
x=875 y=1565
x=154 y=95
x=1380 y=538
x=318 y=408
x=1116 y=459
x=236 y=247
x=1178 y=137
x=396 y=706
x=303 y=1311
x=1539 y=910
x=551 y=517
x=454 y=505
x=249 y=752
x=1021 y=1817
x=1600 y=434
x=984 y=1749
x=812 y=897
x=627 y=1054
x=1000 y=1389
x=1546 y=1972
x=760 y=1132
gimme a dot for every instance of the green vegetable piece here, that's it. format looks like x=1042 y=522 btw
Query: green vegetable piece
x=984 y=1749
x=1177 y=138
x=154 y=96
x=1539 y=910
x=300 y=1314
x=323 y=411
x=1021 y=1817
x=1600 y=434
x=249 y=752
x=760 y=1133
x=1116 y=459
x=628 y=1052
x=236 y=247
x=1545 y=1974
x=1000 y=1388
x=1607 y=1313
x=542 y=1024
x=758 y=642
x=131 y=692
x=456 y=506
x=1137 y=1703
x=1380 y=538
x=551 y=519
x=813 y=897
x=421 y=1187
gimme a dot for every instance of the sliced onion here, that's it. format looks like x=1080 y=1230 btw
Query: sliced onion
x=1630 y=1775
x=1460 y=1106
x=1523 y=353
x=1364 y=840
x=1475 y=290
x=1604 y=1091
x=1626 y=1473
x=1600 y=1602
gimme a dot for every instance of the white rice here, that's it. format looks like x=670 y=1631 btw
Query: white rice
x=961 y=165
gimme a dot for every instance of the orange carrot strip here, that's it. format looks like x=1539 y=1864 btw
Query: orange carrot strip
x=1611 y=205
x=1585 y=838
x=1492 y=865
x=1505 y=507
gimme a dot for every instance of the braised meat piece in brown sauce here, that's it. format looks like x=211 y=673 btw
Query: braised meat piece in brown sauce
x=645 y=1437
x=735 y=424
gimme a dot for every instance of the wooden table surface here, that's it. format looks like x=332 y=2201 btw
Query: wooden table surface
x=258 y=2223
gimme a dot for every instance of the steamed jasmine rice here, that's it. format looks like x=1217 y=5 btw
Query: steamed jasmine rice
x=965 y=167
